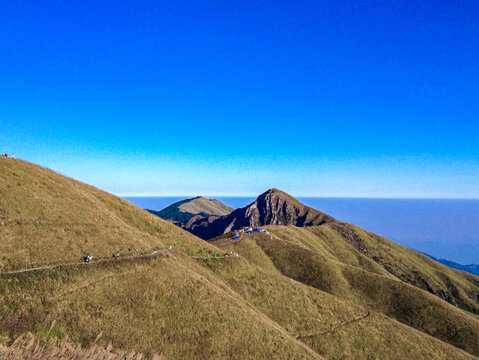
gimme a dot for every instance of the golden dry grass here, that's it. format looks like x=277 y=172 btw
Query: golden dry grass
x=31 y=347
x=366 y=286
x=187 y=305
x=46 y=218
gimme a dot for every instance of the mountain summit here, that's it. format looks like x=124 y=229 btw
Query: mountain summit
x=198 y=207
x=273 y=207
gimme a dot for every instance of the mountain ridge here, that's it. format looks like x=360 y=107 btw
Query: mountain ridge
x=470 y=268
x=273 y=207
x=182 y=211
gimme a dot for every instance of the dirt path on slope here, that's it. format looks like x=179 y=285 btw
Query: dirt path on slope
x=213 y=258
x=336 y=327
x=161 y=252
x=56 y=266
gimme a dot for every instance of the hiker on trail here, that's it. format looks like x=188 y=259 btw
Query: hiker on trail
x=6 y=153
x=13 y=156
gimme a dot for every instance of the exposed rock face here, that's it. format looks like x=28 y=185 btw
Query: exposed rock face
x=274 y=207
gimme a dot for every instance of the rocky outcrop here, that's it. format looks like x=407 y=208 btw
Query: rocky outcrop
x=274 y=207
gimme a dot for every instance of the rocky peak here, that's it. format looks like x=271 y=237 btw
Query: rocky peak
x=275 y=207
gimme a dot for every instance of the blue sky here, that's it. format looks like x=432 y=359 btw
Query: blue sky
x=318 y=98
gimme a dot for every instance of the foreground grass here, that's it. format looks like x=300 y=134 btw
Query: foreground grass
x=167 y=305
x=197 y=308
x=31 y=347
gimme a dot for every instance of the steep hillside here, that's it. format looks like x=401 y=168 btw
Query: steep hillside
x=47 y=218
x=151 y=300
x=168 y=304
x=456 y=287
x=356 y=247
x=374 y=252
x=344 y=272
x=192 y=307
x=274 y=207
x=191 y=301
x=182 y=211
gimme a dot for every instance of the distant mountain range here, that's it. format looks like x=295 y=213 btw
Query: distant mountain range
x=471 y=268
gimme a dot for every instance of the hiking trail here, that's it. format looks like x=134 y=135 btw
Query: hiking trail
x=162 y=252
x=47 y=267
x=336 y=327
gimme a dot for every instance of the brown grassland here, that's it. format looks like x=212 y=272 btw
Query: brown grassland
x=308 y=293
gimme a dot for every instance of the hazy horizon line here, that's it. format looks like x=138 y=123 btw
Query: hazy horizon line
x=297 y=196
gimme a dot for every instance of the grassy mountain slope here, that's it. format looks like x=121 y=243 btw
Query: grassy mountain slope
x=46 y=218
x=40 y=347
x=373 y=253
x=178 y=306
x=182 y=303
x=456 y=287
x=349 y=275
x=142 y=303
x=168 y=305
x=309 y=313
x=184 y=210
x=354 y=246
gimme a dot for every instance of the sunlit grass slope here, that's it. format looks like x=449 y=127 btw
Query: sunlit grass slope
x=41 y=347
x=47 y=218
x=354 y=246
x=169 y=305
x=357 y=280
x=184 y=307
x=456 y=287
x=151 y=304
x=315 y=317
x=182 y=304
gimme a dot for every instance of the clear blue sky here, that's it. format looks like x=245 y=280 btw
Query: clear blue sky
x=318 y=98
